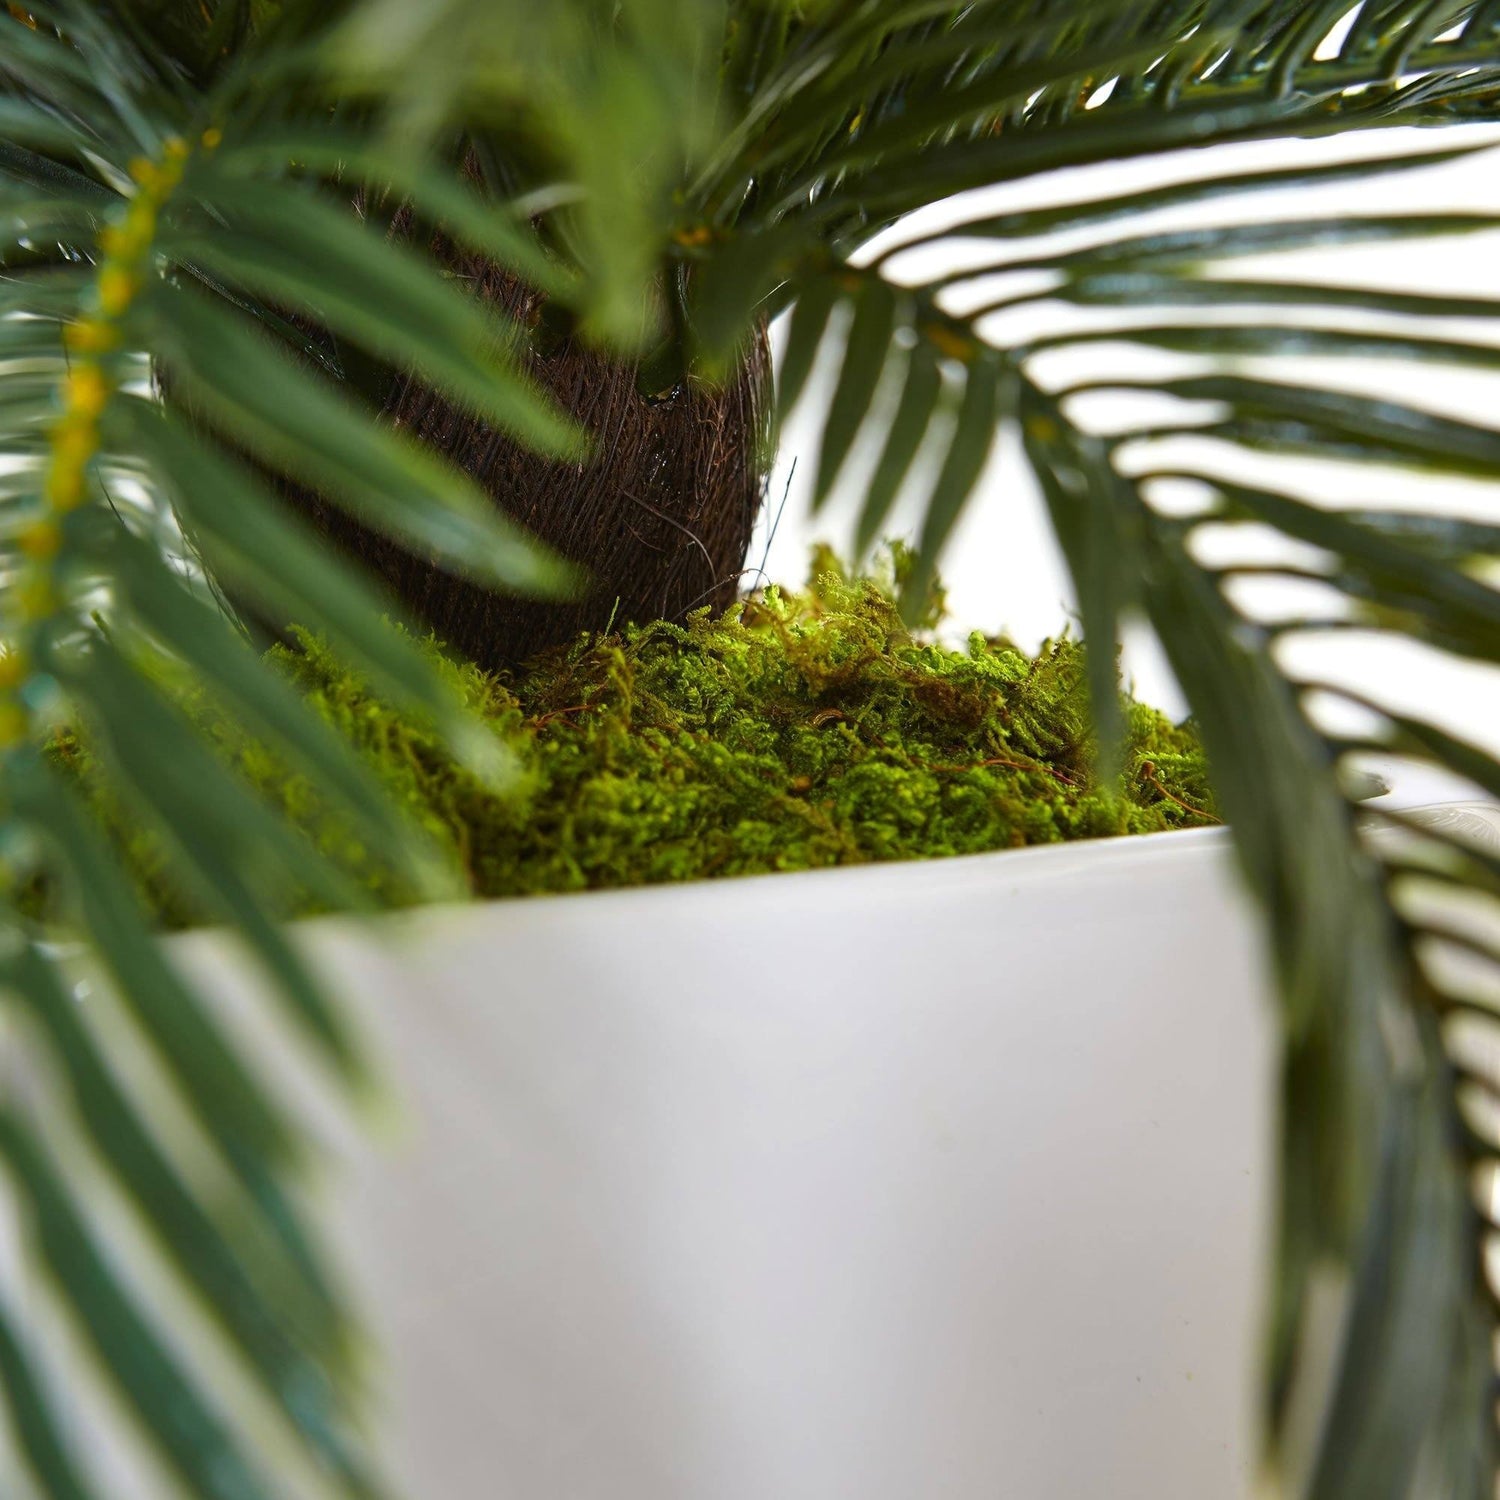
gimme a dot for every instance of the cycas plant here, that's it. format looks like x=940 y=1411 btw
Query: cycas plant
x=238 y=241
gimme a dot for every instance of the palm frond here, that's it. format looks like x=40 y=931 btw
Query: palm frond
x=896 y=107
x=146 y=225
x=1376 y=1159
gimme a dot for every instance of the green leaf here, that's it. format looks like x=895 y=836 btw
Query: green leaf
x=263 y=702
x=730 y=287
x=27 y=126
x=227 y=1100
x=887 y=190
x=979 y=411
x=47 y=71
x=919 y=395
x=1147 y=288
x=1271 y=339
x=907 y=132
x=258 y=1326
x=1091 y=213
x=497 y=231
x=1409 y=1297
x=1354 y=426
x=303 y=254
x=189 y=1434
x=201 y=805
x=1458 y=611
x=1450 y=538
x=1274 y=782
x=31 y=1416
x=809 y=321
x=1189 y=247
x=1446 y=750
x=756 y=42
x=1090 y=521
x=864 y=359
x=270 y=557
x=35 y=225
x=261 y=549
x=305 y=426
x=820 y=111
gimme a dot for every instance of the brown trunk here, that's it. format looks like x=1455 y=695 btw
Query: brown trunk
x=659 y=518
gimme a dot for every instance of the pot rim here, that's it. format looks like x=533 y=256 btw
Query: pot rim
x=1031 y=863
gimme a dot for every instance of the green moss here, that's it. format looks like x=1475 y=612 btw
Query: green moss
x=797 y=731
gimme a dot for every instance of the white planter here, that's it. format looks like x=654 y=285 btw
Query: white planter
x=936 y=1180
x=944 y=1181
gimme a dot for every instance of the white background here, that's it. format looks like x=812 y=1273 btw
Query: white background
x=1002 y=567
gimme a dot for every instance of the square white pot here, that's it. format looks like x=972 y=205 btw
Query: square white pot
x=936 y=1181
x=929 y=1180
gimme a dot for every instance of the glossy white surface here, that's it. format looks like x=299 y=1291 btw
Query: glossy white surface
x=943 y=1180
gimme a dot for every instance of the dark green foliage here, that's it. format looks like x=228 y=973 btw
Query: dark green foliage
x=794 y=732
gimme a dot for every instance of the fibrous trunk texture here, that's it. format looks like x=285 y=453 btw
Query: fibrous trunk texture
x=659 y=517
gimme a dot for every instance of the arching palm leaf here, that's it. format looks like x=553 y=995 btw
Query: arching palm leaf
x=145 y=223
x=892 y=108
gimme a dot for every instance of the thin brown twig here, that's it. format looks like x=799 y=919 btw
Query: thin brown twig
x=1015 y=765
x=687 y=531
x=1149 y=772
x=558 y=713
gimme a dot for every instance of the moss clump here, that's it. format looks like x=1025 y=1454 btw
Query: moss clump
x=797 y=731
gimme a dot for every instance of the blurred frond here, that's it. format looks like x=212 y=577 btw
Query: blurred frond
x=872 y=112
x=154 y=228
